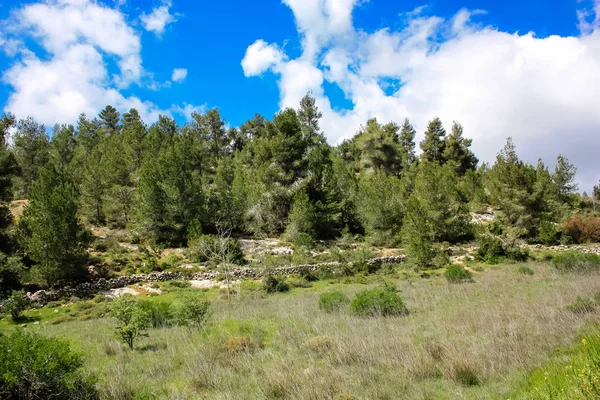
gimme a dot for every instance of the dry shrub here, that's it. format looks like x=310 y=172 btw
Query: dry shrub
x=583 y=229
x=464 y=372
x=436 y=350
x=240 y=344
x=318 y=344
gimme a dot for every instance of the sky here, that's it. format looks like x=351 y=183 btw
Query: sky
x=529 y=69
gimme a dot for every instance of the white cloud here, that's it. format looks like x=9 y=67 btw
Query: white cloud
x=179 y=75
x=540 y=91
x=158 y=19
x=260 y=56
x=71 y=76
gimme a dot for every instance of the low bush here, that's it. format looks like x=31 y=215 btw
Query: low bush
x=525 y=270
x=274 y=284
x=582 y=229
x=191 y=310
x=240 y=344
x=333 y=301
x=15 y=305
x=383 y=301
x=159 y=313
x=465 y=373
x=573 y=261
x=493 y=250
x=457 y=273
x=35 y=367
x=582 y=305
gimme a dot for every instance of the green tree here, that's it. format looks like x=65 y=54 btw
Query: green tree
x=457 y=151
x=133 y=319
x=407 y=144
x=434 y=143
x=378 y=147
x=109 y=121
x=564 y=177
x=63 y=144
x=8 y=169
x=31 y=149
x=301 y=226
x=50 y=231
x=417 y=234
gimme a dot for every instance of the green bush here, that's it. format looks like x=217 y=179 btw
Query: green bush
x=133 y=319
x=573 y=261
x=191 y=310
x=273 y=284
x=15 y=305
x=384 y=301
x=525 y=270
x=582 y=305
x=159 y=313
x=456 y=273
x=493 y=250
x=35 y=367
x=333 y=301
x=215 y=248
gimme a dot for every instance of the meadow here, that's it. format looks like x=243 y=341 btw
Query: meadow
x=477 y=340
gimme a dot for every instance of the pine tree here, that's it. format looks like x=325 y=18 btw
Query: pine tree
x=63 y=144
x=457 y=153
x=417 y=234
x=434 y=144
x=109 y=121
x=564 y=177
x=407 y=144
x=378 y=147
x=8 y=169
x=31 y=147
x=309 y=116
x=50 y=231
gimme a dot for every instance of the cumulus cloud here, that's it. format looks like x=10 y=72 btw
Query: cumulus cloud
x=69 y=74
x=497 y=84
x=158 y=19
x=260 y=56
x=179 y=75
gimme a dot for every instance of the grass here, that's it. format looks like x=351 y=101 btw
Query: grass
x=473 y=341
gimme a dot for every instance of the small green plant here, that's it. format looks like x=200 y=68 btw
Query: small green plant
x=582 y=305
x=15 y=305
x=333 y=301
x=464 y=373
x=35 y=367
x=525 y=270
x=133 y=320
x=191 y=311
x=273 y=284
x=383 y=301
x=493 y=250
x=457 y=273
x=573 y=261
x=159 y=313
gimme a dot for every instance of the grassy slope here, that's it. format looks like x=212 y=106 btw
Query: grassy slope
x=494 y=330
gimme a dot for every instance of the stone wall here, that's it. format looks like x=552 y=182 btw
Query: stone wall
x=100 y=285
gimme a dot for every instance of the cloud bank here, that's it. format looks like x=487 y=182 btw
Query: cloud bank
x=540 y=91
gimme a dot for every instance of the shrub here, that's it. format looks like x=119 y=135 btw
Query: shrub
x=159 y=313
x=34 y=367
x=191 y=311
x=525 y=270
x=318 y=344
x=213 y=247
x=133 y=320
x=457 y=273
x=582 y=305
x=493 y=250
x=573 y=261
x=464 y=373
x=239 y=344
x=384 y=301
x=15 y=305
x=582 y=229
x=273 y=284
x=333 y=301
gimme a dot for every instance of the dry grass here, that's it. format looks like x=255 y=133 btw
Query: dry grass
x=460 y=341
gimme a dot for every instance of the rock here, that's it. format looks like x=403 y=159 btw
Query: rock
x=36 y=323
x=203 y=284
x=114 y=293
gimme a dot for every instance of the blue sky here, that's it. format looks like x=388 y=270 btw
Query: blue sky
x=469 y=60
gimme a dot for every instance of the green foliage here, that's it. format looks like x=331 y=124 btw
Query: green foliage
x=493 y=250
x=191 y=310
x=15 y=305
x=582 y=305
x=160 y=313
x=301 y=227
x=133 y=319
x=457 y=154
x=573 y=261
x=31 y=150
x=333 y=301
x=434 y=144
x=50 y=230
x=457 y=273
x=274 y=284
x=418 y=237
x=216 y=248
x=35 y=367
x=384 y=301
x=525 y=270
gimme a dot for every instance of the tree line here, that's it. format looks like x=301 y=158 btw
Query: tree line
x=168 y=183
